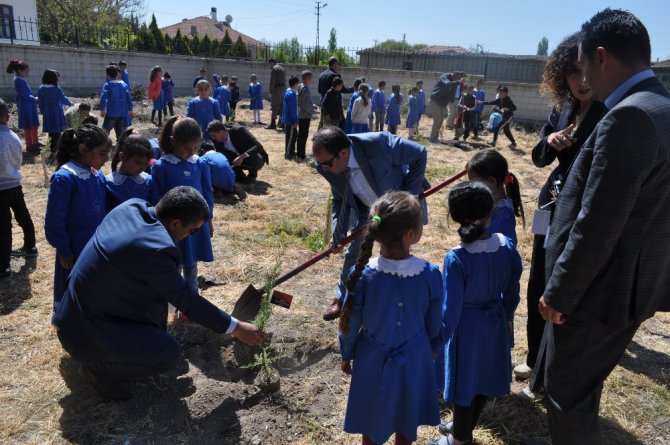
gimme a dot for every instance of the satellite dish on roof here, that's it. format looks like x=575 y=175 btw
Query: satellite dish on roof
x=229 y=18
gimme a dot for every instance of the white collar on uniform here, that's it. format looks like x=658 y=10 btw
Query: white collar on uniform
x=490 y=245
x=117 y=178
x=408 y=267
x=48 y=85
x=172 y=159
x=79 y=171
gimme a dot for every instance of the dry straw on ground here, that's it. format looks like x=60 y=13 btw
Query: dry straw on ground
x=210 y=400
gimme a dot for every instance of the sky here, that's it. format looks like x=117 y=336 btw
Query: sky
x=508 y=27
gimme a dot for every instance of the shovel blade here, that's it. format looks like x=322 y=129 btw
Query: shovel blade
x=281 y=299
x=247 y=306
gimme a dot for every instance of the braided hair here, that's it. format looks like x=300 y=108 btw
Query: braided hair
x=470 y=205
x=392 y=216
x=91 y=136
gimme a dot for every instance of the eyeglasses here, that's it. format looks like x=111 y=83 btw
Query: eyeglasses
x=329 y=163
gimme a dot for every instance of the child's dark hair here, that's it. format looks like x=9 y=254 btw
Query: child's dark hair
x=332 y=139
x=364 y=89
x=50 y=77
x=122 y=63
x=167 y=75
x=16 y=65
x=413 y=90
x=396 y=90
x=68 y=145
x=337 y=81
x=182 y=129
x=470 y=205
x=154 y=72
x=491 y=164
x=84 y=106
x=357 y=83
x=381 y=83
x=4 y=109
x=112 y=71
x=131 y=144
x=90 y=120
x=391 y=216
x=216 y=126
x=293 y=81
x=306 y=75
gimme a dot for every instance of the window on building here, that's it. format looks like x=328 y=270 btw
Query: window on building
x=7 y=22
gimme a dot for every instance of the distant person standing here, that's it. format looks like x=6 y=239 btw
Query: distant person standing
x=326 y=78
x=277 y=88
x=201 y=76
x=443 y=97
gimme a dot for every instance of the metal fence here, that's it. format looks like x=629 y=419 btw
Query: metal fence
x=22 y=30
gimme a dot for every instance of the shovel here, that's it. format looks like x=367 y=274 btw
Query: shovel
x=249 y=303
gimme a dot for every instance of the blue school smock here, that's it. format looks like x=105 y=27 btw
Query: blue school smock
x=121 y=188
x=348 y=125
x=168 y=86
x=204 y=111
x=412 y=112
x=26 y=104
x=482 y=292
x=125 y=78
x=289 y=114
x=223 y=95
x=479 y=95
x=421 y=102
x=255 y=96
x=393 y=110
x=378 y=101
x=170 y=172
x=223 y=176
x=75 y=207
x=115 y=99
x=503 y=219
x=51 y=100
x=395 y=327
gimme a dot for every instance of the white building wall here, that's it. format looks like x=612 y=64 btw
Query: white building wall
x=24 y=10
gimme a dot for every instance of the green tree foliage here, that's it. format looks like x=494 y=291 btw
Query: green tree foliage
x=240 y=48
x=214 y=51
x=399 y=45
x=332 y=41
x=179 y=44
x=226 y=44
x=543 y=47
x=168 y=43
x=205 y=46
x=194 y=43
x=157 y=36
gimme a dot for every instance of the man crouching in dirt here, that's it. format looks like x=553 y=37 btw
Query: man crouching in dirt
x=113 y=316
x=360 y=168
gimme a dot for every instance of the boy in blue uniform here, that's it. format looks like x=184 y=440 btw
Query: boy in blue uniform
x=115 y=102
x=223 y=176
x=379 y=106
x=168 y=98
x=289 y=117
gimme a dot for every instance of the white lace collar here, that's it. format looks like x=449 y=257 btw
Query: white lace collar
x=490 y=245
x=79 y=171
x=172 y=159
x=408 y=267
x=117 y=178
x=47 y=85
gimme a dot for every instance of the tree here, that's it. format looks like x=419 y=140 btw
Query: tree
x=400 y=45
x=332 y=41
x=477 y=48
x=168 y=43
x=179 y=45
x=158 y=39
x=194 y=44
x=205 y=46
x=226 y=44
x=543 y=47
x=294 y=51
x=239 y=48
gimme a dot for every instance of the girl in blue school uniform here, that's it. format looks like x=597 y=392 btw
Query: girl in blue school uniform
x=26 y=105
x=180 y=140
x=76 y=203
x=490 y=167
x=130 y=161
x=360 y=112
x=393 y=109
x=51 y=100
x=168 y=96
x=203 y=108
x=481 y=276
x=421 y=101
x=379 y=106
x=412 y=113
x=355 y=95
x=223 y=95
x=390 y=327
x=255 y=99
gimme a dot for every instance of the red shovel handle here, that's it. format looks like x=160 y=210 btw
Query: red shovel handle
x=324 y=253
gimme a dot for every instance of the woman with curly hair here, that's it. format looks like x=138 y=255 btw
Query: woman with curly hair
x=573 y=118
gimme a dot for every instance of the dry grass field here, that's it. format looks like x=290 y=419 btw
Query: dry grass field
x=209 y=399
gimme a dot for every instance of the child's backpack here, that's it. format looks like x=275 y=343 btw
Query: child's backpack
x=494 y=121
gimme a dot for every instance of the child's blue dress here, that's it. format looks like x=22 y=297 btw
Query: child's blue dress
x=503 y=219
x=51 y=100
x=168 y=86
x=169 y=172
x=75 y=207
x=395 y=327
x=26 y=104
x=121 y=188
x=348 y=124
x=255 y=96
x=412 y=113
x=482 y=283
x=204 y=111
x=393 y=110
x=223 y=95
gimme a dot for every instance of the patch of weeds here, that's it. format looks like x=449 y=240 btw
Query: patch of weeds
x=315 y=241
x=290 y=228
x=420 y=139
x=286 y=231
x=439 y=173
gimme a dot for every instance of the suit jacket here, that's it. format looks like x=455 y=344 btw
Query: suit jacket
x=608 y=249
x=243 y=140
x=388 y=162
x=120 y=287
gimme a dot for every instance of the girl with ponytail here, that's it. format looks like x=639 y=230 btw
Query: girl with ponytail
x=390 y=327
x=360 y=111
x=26 y=105
x=482 y=291
x=77 y=203
x=491 y=168
x=393 y=109
x=129 y=177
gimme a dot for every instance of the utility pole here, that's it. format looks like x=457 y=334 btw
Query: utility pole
x=404 y=42
x=318 y=7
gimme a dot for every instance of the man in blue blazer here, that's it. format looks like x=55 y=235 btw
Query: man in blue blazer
x=113 y=316
x=360 y=168
x=608 y=248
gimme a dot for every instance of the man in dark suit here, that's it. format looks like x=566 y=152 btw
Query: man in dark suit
x=241 y=148
x=608 y=248
x=360 y=168
x=112 y=318
x=443 y=101
x=326 y=78
x=277 y=88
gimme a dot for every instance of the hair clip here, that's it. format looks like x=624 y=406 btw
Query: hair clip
x=377 y=218
x=509 y=179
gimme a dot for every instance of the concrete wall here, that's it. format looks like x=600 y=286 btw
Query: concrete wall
x=82 y=74
x=663 y=74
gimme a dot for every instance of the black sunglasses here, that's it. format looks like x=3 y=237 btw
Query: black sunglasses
x=329 y=163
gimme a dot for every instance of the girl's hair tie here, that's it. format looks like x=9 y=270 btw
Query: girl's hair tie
x=509 y=179
x=376 y=218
